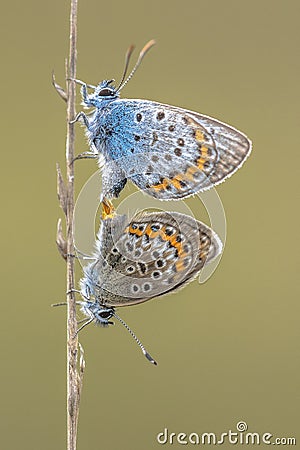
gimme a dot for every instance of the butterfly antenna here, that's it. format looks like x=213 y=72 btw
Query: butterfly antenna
x=140 y=58
x=148 y=356
x=127 y=59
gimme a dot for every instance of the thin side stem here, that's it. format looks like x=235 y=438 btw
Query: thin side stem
x=73 y=384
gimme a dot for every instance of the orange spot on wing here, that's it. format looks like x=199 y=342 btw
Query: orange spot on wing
x=175 y=181
x=160 y=186
x=203 y=255
x=203 y=158
x=135 y=231
x=172 y=240
x=177 y=245
x=190 y=172
x=179 y=265
x=199 y=136
x=148 y=230
x=179 y=177
x=153 y=234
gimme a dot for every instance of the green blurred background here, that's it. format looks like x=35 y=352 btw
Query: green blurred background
x=228 y=350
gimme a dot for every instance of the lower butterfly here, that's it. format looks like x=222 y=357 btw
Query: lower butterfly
x=150 y=255
x=166 y=151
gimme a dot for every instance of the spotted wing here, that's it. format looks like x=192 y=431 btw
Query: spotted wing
x=169 y=152
x=155 y=253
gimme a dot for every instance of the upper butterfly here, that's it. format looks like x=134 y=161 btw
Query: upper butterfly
x=167 y=152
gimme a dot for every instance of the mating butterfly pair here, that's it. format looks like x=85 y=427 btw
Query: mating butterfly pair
x=168 y=153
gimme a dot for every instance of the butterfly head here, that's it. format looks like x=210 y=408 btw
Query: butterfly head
x=103 y=93
x=91 y=307
x=100 y=314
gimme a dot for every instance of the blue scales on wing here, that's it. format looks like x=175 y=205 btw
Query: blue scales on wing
x=168 y=152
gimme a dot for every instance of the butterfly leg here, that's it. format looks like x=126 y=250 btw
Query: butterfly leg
x=83 y=116
x=82 y=320
x=72 y=291
x=64 y=304
x=84 y=155
x=83 y=90
x=88 y=321
x=82 y=83
x=84 y=94
x=80 y=255
x=83 y=256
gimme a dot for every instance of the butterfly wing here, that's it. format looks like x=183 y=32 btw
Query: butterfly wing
x=233 y=147
x=155 y=253
x=168 y=152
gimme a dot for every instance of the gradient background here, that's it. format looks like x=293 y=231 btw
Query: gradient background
x=227 y=350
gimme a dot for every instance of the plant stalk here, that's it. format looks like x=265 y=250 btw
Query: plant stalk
x=73 y=378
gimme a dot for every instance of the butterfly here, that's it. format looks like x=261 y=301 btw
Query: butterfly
x=166 y=151
x=137 y=259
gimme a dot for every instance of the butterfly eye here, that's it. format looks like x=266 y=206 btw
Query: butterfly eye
x=105 y=314
x=105 y=92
